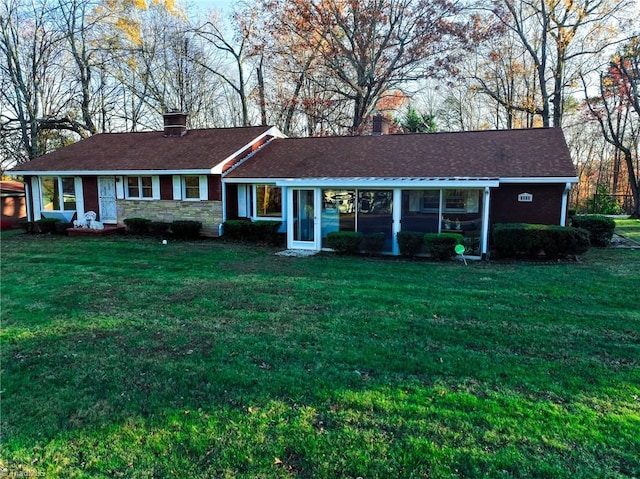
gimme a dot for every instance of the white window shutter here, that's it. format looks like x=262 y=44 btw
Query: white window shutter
x=79 y=196
x=37 y=199
x=242 y=201
x=177 y=187
x=156 y=187
x=120 y=187
x=204 y=188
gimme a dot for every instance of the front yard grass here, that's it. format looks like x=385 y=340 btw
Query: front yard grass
x=127 y=358
x=629 y=228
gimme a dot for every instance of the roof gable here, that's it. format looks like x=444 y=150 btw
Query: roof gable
x=147 y=151
x=481 y=154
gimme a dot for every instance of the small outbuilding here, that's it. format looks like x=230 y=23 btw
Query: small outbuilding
x=14 y=208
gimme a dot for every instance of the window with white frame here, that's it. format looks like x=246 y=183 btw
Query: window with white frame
x=58 y=194
x=191 y=185
x=139 y=187
x=268 y=201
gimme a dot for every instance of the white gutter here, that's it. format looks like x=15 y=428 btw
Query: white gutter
x=372 y=182
x=109 y=172
x=541 y=179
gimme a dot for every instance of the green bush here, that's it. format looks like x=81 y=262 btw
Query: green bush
x=265 y=231
x=373 y=243
x=137 y=226
x=519 y=239
x=236 y=230
x=159 y=228
x=560 y=242
x=442 y=246
x=61 y=227
x=600 y=228
x=410 y=243
x=603 y=203
x=344 y=242
x=47 y=225
x=186 y=229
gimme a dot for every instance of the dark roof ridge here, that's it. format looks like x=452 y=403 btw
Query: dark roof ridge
x=435 y=133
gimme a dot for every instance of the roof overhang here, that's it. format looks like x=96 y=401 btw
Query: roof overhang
x=373 y=182
x=541 y=179
x=109 y=172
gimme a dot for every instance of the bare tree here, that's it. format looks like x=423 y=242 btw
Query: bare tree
x=617 y=111
x=370 y=47
x=556 y=36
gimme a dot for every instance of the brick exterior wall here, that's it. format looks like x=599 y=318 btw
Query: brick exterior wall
x=545 y=208
x=207 y=212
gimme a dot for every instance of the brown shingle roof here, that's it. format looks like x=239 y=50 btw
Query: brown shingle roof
x=197 y=150
x=482 y=154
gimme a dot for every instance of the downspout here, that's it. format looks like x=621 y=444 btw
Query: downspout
x=485 y=223
x=565 y=202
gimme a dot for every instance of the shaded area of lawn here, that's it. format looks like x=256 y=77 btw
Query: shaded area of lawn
x=127 y=358
x=629 y=228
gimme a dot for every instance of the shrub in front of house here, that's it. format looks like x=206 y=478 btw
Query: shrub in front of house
x=265 y=231
x=600 y=228
x=518 y=239
x=442 y=246
x=47 y=225
x=236 y=230
x=410 y=243
x=344 y=242
x=186 y=229
x=137 y=226
x=159 y=228
x=373 y=243
x=560 y=241
x=62 y=226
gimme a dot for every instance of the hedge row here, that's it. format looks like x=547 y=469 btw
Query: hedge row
x=600 y=228
x=262 y=231
x=182 y=229
x=439 y=245
x=411 y=243
x=518 y=239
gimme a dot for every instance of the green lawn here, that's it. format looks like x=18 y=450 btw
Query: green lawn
x=126 y=358
x=628 y=228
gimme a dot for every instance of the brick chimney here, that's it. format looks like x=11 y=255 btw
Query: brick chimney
x=380 y=125
x=175 y=123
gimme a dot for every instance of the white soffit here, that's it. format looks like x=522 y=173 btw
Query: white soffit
x=373 y=182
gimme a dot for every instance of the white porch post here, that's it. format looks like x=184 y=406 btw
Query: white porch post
x=565 y=203
x=397 y=218
x=485 y=222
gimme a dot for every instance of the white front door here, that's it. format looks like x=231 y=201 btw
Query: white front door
x=303 y=230
x=107 y=199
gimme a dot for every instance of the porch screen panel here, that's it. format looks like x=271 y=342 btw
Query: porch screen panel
x=420 y=211
x=375 y=214
x=462 y=213
x=338 y=212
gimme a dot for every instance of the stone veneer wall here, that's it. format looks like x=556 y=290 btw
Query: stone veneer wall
x=207 y=212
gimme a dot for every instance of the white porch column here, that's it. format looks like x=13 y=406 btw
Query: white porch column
x=565 y=203
x=397 y=218
x=485 y=222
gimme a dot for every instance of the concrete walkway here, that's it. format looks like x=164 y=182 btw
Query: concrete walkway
x=618 y=241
